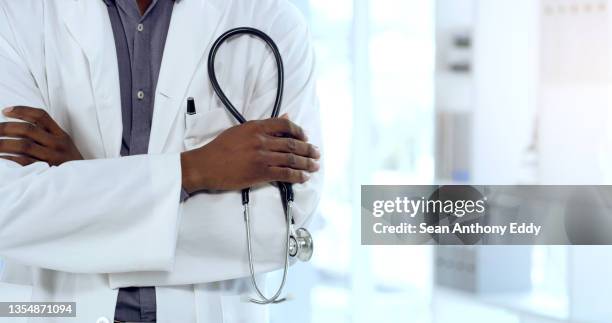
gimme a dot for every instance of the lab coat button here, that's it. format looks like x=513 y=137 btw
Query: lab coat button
x=103 y=320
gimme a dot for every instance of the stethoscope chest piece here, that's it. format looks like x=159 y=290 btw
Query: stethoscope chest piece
x=301 y=245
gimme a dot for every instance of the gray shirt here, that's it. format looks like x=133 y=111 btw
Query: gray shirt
x=140 y=41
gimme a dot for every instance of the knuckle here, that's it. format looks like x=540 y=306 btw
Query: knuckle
x=291 y=160
x=29 y=128
x=297 y=177
x=25 y=146
x=259 y=141
x=40 y=116
x=286 y=173
x=37 y=119
x=291 y=145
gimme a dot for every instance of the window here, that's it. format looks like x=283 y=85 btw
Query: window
x=370 y=56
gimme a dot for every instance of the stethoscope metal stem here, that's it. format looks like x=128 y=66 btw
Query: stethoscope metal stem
x=263 y=299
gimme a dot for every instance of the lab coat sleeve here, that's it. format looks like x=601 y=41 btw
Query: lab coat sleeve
x=212 y=242
x=94 y=216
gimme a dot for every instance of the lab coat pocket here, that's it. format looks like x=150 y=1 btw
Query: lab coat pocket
x=202 y=127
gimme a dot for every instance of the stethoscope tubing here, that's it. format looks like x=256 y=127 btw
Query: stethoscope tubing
x=279 y=64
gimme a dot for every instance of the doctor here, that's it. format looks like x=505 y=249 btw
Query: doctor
x=114 y=198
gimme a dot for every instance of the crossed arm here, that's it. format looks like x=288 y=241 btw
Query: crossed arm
x=261 y=151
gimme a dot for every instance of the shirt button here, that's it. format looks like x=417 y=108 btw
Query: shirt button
x=140 y=27
x=140 y=95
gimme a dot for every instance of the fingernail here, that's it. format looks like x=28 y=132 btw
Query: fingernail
x=316 y=150
x=317 y=167
x=285 y=116
x=7 y=110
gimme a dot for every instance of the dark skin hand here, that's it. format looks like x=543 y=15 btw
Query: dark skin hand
x=39 y=138
x=250 y=154
x=246 y=155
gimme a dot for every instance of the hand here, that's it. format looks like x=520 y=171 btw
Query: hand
x=37 y=139
x=254 y=153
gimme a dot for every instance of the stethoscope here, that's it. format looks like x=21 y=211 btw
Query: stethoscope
x=298 y=243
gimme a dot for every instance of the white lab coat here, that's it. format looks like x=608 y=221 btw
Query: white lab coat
x=80 y=231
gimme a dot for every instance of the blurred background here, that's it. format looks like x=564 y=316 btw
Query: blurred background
x=456 y=91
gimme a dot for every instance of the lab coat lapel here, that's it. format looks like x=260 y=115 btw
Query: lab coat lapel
x=88 y=23
x=193 y=25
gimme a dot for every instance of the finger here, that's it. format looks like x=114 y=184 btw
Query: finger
x=287 y=175
x=24 y=147
x=292 y=161
x=35 y=116
x=281 y=126
x=290 y=145
x=21 y=160
x=25 y=130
